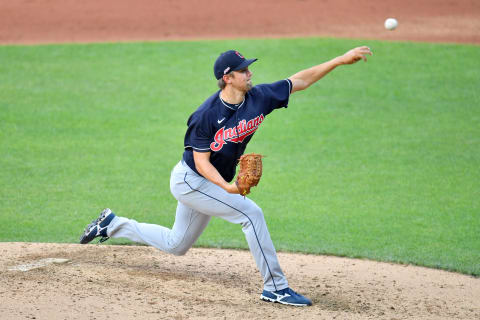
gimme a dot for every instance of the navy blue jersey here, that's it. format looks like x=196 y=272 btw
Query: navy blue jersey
x=225 y=129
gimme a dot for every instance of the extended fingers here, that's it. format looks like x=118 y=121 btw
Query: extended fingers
x=357 y=54
x=363 y=51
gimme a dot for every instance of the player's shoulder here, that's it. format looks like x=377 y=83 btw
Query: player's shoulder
x=284 y=83
x=211 y=104
x=268 y=89
x=208 y=109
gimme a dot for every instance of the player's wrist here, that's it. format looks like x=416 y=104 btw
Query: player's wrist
x=232 y=188
x=338 y=61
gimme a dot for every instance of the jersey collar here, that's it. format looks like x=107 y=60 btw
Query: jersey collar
x=231 y=105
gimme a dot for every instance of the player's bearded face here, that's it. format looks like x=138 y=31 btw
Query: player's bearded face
x=242 y=79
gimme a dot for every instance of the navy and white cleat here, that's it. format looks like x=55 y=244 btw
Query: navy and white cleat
x=286 y=296
x=98 y=228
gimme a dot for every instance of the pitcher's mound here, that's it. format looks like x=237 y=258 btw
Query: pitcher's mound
x=131 y=282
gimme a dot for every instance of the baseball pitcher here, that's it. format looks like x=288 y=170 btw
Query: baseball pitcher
x=217 y=134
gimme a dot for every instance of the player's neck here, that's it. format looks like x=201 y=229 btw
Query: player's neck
x=231 y=95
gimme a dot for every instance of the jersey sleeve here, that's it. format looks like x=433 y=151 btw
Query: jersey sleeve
x=276 y=95
x=199 y=134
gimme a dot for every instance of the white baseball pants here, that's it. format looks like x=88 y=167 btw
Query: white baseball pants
x=199 y=200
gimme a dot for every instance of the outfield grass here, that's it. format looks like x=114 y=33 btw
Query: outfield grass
x=378 y=160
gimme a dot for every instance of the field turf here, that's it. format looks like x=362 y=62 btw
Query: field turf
x=378 y=160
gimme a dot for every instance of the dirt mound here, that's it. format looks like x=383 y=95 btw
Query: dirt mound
x=130 y=282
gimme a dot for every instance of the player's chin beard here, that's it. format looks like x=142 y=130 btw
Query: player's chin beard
x=249 y=85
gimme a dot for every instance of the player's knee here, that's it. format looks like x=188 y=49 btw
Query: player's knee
x=179 y=251
x=255 y=215
x=177 y=245
x=258 y=213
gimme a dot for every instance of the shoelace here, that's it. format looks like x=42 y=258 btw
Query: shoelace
x=96 y=222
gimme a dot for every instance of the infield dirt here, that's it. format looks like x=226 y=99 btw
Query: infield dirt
x=50 y=21
x=137 y=282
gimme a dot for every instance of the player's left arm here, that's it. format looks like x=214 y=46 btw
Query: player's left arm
x=305 y=78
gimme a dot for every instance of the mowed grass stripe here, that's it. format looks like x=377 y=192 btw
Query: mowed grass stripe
x=378 y=160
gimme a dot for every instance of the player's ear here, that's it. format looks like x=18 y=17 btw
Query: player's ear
x=227 y=77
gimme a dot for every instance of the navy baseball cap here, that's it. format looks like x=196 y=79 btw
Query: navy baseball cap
x=228 y=61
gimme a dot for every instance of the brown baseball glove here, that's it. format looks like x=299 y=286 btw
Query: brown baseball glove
x=250 y=172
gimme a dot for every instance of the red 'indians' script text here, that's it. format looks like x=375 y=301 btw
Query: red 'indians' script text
x=236 y=134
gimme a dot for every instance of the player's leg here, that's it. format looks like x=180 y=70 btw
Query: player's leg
x=189 y=225
x=210 y=199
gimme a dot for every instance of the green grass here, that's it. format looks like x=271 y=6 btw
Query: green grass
x=378 y=160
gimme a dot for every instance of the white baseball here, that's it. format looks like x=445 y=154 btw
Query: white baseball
x=391 y=24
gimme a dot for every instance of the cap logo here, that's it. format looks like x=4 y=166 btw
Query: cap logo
x=238 y=54
x=226 y=70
